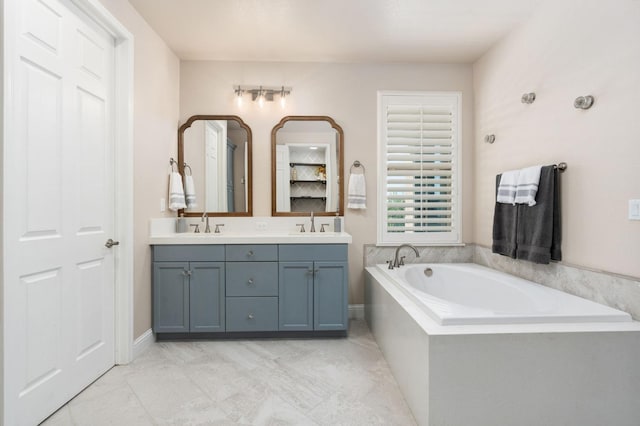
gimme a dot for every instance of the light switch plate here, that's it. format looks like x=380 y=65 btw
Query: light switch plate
x=163 y=204
x=634 y=209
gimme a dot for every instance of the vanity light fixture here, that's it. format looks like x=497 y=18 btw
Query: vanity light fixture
x=239 y=92
x=262 y=94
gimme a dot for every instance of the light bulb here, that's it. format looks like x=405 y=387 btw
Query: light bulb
x=261 y=100
x=239 y=93
x=283 y=101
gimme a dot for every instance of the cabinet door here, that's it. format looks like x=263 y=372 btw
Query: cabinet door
x=330 y=301
x=207 y=292
x=295 y=291
x=170 y=297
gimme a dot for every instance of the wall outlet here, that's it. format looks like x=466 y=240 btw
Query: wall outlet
x=261 y=226
x=163 y=204
x=634 y=209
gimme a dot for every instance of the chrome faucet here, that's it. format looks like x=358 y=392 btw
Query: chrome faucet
x=207 y=229
x=399 y=262
x=313 y=225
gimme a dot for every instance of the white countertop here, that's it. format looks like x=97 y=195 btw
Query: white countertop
x=258 y=238
x=240 y=230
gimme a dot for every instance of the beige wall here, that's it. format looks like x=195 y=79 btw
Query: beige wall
x=568 y=49
x=156 y=93
x=347 y=93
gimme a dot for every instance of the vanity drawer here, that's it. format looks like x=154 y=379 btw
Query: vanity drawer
x=188 y=253
x=312 y=252
x=252 y=313
x=252 y=278
x=252 y=252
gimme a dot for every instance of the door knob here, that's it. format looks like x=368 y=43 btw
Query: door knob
x=110 y=243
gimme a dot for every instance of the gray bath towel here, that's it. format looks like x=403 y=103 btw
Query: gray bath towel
x=504 y=227
x=538 y=233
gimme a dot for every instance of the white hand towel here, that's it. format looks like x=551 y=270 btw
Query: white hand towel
x=190 y=192
x=527 y=186
x=176 y=192
x=357 y=195
x=507 y=187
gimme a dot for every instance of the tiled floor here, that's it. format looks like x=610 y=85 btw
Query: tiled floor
x=250 y=382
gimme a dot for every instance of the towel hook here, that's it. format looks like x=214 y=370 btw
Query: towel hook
x=583 y=102
x=357 y=164
x=186 y=166
x=490 y=138
x=528 y=98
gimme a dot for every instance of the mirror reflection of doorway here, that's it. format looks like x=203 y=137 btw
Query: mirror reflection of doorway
x=215 y=140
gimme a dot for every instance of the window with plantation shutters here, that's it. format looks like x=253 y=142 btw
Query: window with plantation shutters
x=419 y=158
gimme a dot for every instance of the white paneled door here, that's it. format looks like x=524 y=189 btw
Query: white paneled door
x=58 y=208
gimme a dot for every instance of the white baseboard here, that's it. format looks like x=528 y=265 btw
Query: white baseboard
x=356 y=312
x=142 y=343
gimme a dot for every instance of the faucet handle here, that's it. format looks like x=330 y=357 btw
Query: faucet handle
x=390 y=263
x=217 y=230
x=401 y=263
x=197 y=228
x=301 y=225
x=322 y=225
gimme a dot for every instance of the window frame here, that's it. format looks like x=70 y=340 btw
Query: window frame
x=454 y=237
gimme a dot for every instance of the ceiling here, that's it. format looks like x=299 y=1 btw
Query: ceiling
x=333 y=30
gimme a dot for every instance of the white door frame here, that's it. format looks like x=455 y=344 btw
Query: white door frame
x=123 y=102
x=123 y=122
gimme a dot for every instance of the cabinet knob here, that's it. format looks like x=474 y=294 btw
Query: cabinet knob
x=250 y=253
x=186 y=273
x=250 y=316
x=250 y=281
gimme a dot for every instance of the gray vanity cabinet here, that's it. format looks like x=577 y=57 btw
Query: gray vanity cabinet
x=295 y=295
x=188 y=289
x=313 y=287
x=252 y=287
x=170 y=297
x=248 y=288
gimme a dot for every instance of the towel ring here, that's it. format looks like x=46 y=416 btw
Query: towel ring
x=357 y=164
x=186 y=166
x=171 y=163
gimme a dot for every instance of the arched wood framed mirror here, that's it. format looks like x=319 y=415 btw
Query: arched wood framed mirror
x=307 y=167
x=217 y=151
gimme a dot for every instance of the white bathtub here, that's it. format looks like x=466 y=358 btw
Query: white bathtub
x=461 y=293
x=472 y=346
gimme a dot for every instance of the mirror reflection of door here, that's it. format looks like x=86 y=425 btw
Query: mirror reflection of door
x=215 y=149
x=217 y=152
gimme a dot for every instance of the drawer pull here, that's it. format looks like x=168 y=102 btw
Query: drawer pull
x=250 y=281
x=250 y=316
x=250 y=253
